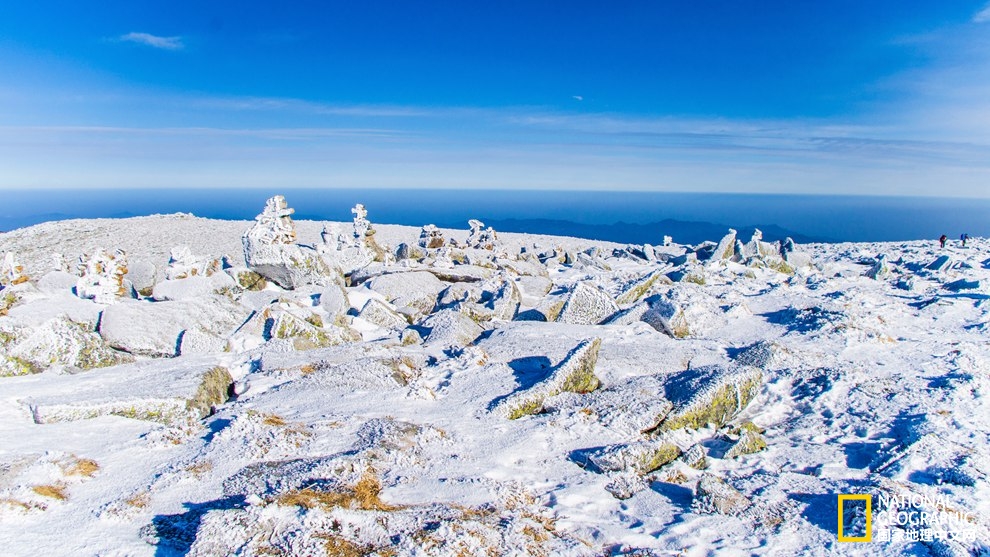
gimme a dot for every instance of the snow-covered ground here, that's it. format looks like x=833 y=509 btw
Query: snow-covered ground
x=550 y=396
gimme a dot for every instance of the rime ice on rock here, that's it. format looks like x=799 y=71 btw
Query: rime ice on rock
x=361 y=223
x=726 y=248
x=102 y=277
x=11 y=272
x=431 y=237
x=481 y=237
x=183 y=264
x=270 y=250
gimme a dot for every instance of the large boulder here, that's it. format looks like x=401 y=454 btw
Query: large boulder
x=449 y=327
x=417 y=289
x=60 y=341
x=152 y=390
x=714 y=495
x=195 y=286
x=155 y=328
x=640 y=457
x=587 y=305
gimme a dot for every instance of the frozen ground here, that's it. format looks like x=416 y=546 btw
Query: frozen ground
x=578 y=398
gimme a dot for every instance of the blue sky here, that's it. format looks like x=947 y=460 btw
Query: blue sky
x=841 y=97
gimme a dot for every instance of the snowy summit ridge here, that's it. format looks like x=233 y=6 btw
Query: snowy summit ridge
x=206 y=388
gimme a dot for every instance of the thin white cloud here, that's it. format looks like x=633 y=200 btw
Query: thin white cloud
x=577 y=97
x=164 y=43
x=983 y=16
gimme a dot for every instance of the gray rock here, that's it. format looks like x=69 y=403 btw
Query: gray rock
x=450 y=328
x=377 y=312
x=714 y=495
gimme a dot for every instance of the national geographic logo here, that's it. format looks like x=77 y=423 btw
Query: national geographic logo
x=855 y=518
x=911 y=517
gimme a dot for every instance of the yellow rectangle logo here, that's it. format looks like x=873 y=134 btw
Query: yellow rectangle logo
x=868 y=536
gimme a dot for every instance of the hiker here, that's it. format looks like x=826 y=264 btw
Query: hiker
x=942 y=239
x=964 y=237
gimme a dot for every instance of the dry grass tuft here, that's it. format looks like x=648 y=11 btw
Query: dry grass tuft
x=20 y=505
x=81 y=467
x=53 y=491
x=363 y=496
x=274 y=420
x=199 y=468
x=139 y=500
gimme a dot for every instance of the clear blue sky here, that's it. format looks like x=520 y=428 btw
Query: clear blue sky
x=879 y=97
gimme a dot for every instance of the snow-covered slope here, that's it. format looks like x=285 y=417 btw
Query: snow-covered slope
x=547 y=396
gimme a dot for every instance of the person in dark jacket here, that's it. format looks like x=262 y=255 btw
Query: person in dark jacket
x=942 y=239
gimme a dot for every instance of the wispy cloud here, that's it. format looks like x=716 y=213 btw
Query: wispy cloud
x=983 y=16
x=164 y=43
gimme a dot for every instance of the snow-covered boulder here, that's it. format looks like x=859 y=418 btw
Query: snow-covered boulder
x=481 y=237
x=587 y=305
x=449 y=327
x=57 y=281
x=306 y=333
x=575 y=373
x=154 y=328
x=60 y=341
x=152 y=390
x=880 y=268
x=380 y=314
x=714 y=495
x=417 y=289
x=726 y=248
x=334 y=301
x=640 y=457
x=270 y=250
x=143 y=274
x=195 y=286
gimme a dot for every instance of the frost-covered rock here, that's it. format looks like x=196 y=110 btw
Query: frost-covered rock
x=880 y=268
x=154 y=328
x=587 y=305
x=430 y=237
x=195 y=286
x=749 y=442
x=711 y=394
x=641 y=457
x=63 y=342
x=575 y=373
x=156 y=391
x=695 y=457
x=270 y=250
x=642 y=287
x=505 y=300
x=450 y=328
x=183 y=264
x=102 y=277
x=247 y=279
x=11 y=271
x=57 y=280
x=726 y=248
x=714 y=495
x=378 y=313
x=142 y=274
x=630 y=407
x=334 y=301
x=685 y=310
x=417 y=289
x=941 y=263
x=306 y=334
x=481 y=237
x=764 y=355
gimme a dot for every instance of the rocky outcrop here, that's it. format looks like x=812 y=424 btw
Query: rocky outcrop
x=63 y=342
x=481 y=237
x=155 y=328
x=641 y=457
x=714 y=495
x=11 y=271
x=449 y=327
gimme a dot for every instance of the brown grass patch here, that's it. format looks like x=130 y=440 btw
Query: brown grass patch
x=307 y=369
x=139 y=500
x=200 y=468
x=274 y=420
x=363 y=496
x=81 y=467
x=52 y=491
x=20 y=505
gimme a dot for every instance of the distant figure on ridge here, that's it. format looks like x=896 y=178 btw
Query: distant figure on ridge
x=942 y=239
x=964 y=237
